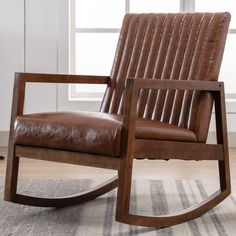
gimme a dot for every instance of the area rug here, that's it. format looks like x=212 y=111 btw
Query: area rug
x=97 y=217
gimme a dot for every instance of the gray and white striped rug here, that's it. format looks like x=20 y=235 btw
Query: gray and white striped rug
x=151 y=197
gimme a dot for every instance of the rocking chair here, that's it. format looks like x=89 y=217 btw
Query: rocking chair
x=157 y=104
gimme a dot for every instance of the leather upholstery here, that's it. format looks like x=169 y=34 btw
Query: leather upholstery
x=83 y=131
x=183 y=46
x=90 y=132
x=156 y=130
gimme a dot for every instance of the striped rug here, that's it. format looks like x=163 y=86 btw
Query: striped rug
x=151 y=197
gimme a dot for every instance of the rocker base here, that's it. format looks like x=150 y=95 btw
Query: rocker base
x=66 y=201
x=178 y=218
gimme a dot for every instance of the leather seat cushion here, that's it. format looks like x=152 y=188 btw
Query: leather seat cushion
x=89 y=132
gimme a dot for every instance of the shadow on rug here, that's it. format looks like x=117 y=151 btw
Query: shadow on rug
x=97 y=217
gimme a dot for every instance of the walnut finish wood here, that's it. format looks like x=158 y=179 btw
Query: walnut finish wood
x=125 y=172
x=177 y=150
x=130 y=97
x=59 y=78
x=221 y=131
x=179 y=217
x=12 y=159
x=127 y=151
x=70 y=200
x=68 y=157
x=17 y=109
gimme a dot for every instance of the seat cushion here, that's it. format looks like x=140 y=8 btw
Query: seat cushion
x=156 y=130
x=89 y=132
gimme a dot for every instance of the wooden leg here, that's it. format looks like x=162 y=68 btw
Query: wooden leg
x=124 y=189
x=221 y=131
x=11 y=175
x=224 y=175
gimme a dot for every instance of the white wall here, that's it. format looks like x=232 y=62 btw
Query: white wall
x=11 y=53
x=41 y=52
x=42 y=47
x=34 y=49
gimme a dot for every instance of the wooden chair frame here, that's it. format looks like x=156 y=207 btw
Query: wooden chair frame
x=130 y=149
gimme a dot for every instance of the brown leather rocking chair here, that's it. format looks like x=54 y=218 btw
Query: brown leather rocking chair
x=157 y=104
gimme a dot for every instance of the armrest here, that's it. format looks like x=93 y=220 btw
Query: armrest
x=22 y=78
x=59 y=78
x=134 y=85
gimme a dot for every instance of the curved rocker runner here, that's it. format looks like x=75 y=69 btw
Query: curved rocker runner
x=70 y=200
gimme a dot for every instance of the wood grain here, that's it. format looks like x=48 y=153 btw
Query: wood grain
x=142 y=169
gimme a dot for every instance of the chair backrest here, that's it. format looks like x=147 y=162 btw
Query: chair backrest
x=176 y=46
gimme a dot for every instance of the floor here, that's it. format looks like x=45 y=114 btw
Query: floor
x=145 y=169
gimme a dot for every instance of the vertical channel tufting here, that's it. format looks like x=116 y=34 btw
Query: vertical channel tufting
x=163 y=60
x=143 y=59
x=188 y=42
x=130 y=58
x=170 y=52
x=188 y=105
x=193 y=56
x=138 y=55
x=181 y=46
x=106 y=103
x=173 y=67
x=198 y=119
x=152 y=63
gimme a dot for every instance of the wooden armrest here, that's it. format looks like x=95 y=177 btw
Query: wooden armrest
x=133 y=86
x=60 y=78
x=137 y=83
x=22 y=78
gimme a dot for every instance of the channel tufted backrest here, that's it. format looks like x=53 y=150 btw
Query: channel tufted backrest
x=181 y=46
